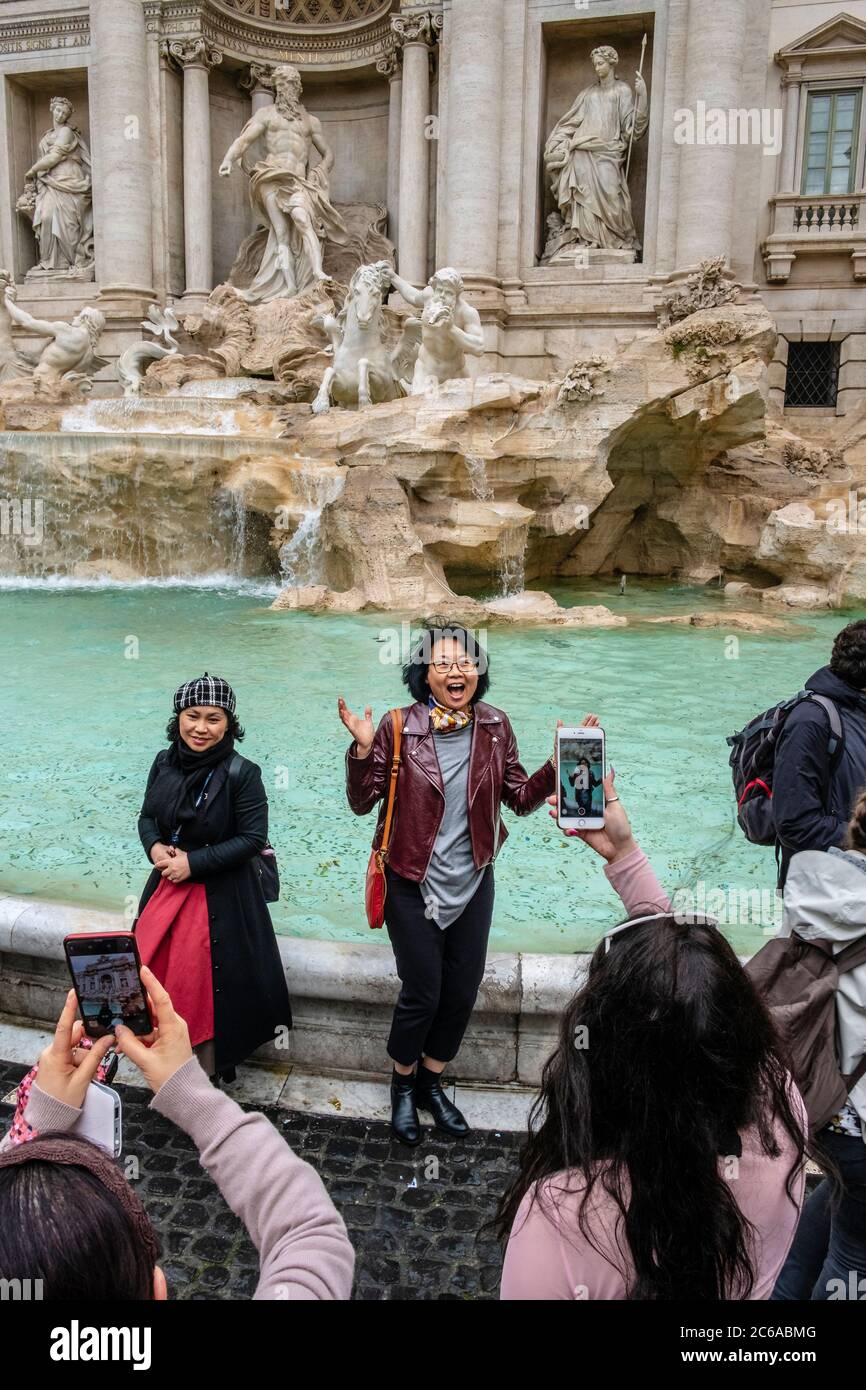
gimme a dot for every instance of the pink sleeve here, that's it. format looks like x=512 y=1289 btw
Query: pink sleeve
x=303 y=1247
x=634 y=880
x=533 y=1269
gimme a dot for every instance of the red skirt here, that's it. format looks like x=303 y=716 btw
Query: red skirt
x=173 y=935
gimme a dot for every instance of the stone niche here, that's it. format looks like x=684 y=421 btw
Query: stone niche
x=28 y=117
x=568 y=70
x=353 y=109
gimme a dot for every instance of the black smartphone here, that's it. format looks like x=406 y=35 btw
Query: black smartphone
x=106 y=975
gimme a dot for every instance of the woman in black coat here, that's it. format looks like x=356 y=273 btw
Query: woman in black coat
x=203 y=925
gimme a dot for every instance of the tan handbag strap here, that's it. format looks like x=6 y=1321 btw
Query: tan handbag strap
x=397 y=721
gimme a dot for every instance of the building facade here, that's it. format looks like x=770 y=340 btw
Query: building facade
x=753 y=150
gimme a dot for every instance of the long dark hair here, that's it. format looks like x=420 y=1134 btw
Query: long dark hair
x=665 y=1055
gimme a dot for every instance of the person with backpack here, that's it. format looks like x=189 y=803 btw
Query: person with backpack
x=797 y=768
x=203 y=925
x=665 y=1153
x=813 y=976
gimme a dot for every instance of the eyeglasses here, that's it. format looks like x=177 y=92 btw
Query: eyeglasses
x=466 y=666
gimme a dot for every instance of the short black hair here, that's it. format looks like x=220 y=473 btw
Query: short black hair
x=415 y=670
x=235 y=730
x=848 y=660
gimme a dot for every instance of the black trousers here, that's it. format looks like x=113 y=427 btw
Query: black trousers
x=440 y=970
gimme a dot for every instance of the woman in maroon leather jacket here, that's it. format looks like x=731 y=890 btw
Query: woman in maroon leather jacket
x=459 y=764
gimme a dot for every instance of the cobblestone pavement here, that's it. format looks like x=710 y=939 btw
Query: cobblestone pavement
x=412 y=1215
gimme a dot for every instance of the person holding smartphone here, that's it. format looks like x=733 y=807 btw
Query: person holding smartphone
x=665 y=1153
x=204 y=926
x=99 y=1245
x=459 y=765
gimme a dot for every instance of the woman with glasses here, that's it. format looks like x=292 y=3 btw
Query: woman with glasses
x=665 y=1156
x=458 y=764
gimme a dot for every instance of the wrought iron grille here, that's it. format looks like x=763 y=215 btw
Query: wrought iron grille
x=813 y=374
x=316 y=12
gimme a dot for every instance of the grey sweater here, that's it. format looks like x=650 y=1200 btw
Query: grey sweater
x=452 y=877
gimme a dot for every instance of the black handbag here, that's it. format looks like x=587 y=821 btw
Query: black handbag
x=265 y=862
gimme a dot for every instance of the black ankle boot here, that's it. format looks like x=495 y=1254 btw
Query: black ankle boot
x=429 y=1096
x=404 y=1116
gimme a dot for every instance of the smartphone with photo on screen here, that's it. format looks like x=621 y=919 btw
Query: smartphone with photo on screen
x=580 y=766
x=106 y=975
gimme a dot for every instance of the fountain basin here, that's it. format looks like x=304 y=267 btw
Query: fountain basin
x=342 y=996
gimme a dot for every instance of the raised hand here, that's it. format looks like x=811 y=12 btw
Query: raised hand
x=362 y=730
x=64 y=1073
x=166 y=1049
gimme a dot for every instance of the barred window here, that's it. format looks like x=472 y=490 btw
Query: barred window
x=813 y=374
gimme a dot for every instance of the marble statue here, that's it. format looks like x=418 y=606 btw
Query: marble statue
x=450 y=327
x=586 y=160
x=57 y=198
x=365 y=368
x=68 y=362
x=132 y=364
x=289 y=197
x=13 y=364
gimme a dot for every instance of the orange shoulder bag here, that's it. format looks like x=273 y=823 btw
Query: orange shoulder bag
x=377 y=886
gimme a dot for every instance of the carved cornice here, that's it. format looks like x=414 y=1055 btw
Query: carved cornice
x=245 y=38
x=192 y=53
x=45 y=33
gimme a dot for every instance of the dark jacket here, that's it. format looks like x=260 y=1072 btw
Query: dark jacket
x=811 y=808
x=495 y=776
x=249 y=986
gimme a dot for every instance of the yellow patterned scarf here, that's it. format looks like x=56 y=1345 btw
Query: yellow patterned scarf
x=444 y=720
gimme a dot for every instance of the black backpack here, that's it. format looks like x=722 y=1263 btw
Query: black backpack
x=753 y=755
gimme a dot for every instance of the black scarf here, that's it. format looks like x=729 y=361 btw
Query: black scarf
x=180 y=780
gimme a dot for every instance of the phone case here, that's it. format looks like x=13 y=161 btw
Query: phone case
x=100 y=1120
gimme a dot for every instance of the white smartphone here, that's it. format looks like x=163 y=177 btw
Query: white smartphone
x=580 y=766
x=100 y=1119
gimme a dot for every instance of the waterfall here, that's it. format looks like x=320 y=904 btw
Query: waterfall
x=512 y=561
x=477 y=471
x=302 y=557
x=129 y=507
x=145 y=415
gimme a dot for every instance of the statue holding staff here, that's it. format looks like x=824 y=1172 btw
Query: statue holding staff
x=586 y=159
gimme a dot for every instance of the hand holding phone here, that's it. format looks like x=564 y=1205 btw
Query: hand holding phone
x=580 y=769
x=58 y=1075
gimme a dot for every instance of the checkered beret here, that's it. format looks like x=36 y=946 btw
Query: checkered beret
x=205 y=690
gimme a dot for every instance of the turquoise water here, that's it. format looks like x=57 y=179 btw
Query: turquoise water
x=85 y=691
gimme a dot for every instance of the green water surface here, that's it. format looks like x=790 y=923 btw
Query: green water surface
x=86 y=680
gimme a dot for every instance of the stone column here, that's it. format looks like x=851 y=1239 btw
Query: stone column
x=414 y=33
x=714 y=63
x=196 y=57
x=391 y=67
x=120 y=136
x=476 y=37
x=790 y=134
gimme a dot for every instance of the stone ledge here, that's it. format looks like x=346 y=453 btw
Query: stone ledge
x=342 y=993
